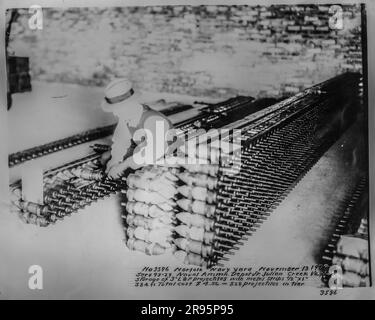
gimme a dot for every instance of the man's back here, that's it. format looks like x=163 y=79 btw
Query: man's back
x=150 y=118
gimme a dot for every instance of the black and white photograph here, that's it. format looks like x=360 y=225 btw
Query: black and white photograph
x=193 y=150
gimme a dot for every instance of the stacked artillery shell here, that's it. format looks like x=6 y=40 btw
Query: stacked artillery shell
x=219 y=205
x=65 y=191
x=276 y=153
x=363 y=228
x=40 y=151
x=348 y=247
x=150 y=210
x=352 y=255
x=223 y=204
x=195 y=232
x=274 y=156
x=29 y=212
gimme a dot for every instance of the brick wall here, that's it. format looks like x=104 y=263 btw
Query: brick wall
x=217 y=51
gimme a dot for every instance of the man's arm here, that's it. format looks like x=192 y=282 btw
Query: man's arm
x=121 y=145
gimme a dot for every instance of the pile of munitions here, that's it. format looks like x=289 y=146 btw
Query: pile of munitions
x=150 y=209
x=71 y=191
x=174 y=208
x=205 y=212
x=199 y=239
x=66 y=190
x=220 y=205
x=352 y=255
x=348 y=247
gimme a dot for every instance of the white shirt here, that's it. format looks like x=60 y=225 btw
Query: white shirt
x=129 y=116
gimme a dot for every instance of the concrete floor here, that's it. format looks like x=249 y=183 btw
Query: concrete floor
x=84 y=255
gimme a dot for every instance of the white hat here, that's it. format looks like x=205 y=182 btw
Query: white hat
x=118 y=94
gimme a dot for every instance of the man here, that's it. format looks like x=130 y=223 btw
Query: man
x=123 y=102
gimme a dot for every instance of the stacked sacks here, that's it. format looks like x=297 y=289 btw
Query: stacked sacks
x=150 y=207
